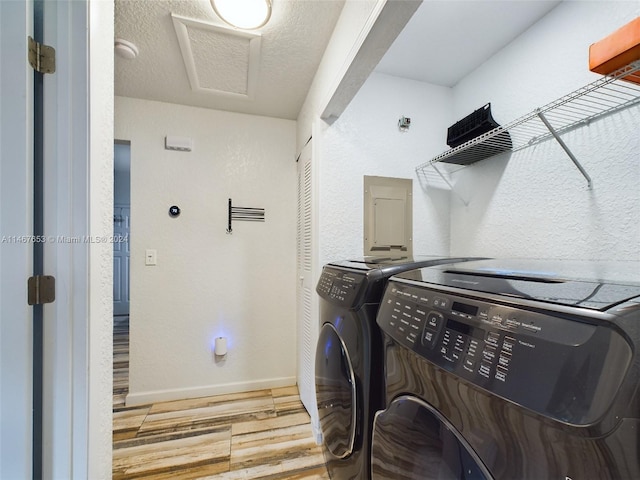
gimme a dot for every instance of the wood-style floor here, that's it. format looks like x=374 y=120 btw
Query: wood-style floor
x=264 y=434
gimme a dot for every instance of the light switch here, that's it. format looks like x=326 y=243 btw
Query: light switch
x=151 y=257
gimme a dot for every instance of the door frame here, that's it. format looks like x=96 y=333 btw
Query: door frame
x=65 y=415
x=78 y=190
x=79 y=204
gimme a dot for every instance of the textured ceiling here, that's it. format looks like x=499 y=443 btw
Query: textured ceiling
x=275 y=83
x=270 y=75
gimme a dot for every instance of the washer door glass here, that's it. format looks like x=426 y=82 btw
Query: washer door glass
x=335 y=393
x=411 y=440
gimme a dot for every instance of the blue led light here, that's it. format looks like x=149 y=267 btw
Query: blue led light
x=327 y=348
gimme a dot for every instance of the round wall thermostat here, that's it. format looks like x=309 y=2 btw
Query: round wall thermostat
x=174 y=211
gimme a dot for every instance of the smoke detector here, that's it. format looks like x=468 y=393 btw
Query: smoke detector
x=125 y=49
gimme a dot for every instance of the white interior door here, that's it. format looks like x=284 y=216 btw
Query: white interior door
x=16 y=249
x=121 y=226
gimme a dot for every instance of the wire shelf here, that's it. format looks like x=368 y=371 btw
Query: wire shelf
x=606 y=95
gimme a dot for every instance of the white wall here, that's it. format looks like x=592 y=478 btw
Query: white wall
x=363 y=33
x=354 y=18
x=535 y=203
x=366 y=140
x=208 y=283
x=96 y=367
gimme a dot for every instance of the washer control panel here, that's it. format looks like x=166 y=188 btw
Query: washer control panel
x=340 y=287
x=548 y=362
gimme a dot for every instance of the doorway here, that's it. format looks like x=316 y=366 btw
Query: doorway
x=121 y=270
x=121 y=226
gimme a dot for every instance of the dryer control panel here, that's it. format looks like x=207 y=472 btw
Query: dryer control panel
x=569 y=369
x=340 y=287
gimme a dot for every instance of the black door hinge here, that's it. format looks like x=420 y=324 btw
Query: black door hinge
x=41 y=289
x=42 y=57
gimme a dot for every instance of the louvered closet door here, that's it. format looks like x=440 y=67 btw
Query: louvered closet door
x=307 y=331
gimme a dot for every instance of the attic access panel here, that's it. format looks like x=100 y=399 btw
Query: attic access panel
x=388 y=215
x=204 y=46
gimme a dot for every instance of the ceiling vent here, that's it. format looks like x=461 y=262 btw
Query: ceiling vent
x=219 y=61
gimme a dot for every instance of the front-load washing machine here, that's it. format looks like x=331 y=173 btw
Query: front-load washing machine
x=349 y=357
x=510 y=370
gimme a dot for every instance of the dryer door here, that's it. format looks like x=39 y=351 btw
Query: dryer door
x=412 y=441
x=335 y=393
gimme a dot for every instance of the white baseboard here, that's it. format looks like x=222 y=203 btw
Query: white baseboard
x=144 y=398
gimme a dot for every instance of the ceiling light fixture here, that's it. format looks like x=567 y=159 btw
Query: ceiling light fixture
x=245 y=14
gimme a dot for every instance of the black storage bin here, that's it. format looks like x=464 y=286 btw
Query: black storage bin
x=472 y=126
